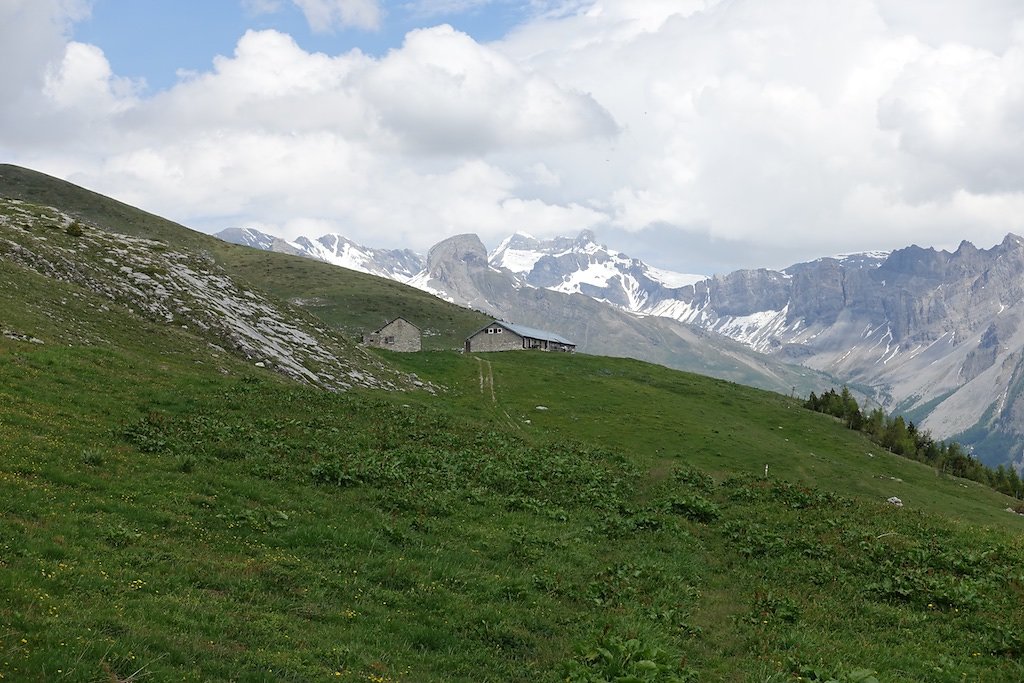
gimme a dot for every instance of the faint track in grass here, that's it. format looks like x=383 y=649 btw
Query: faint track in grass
x=486 y=378
x=486 y=374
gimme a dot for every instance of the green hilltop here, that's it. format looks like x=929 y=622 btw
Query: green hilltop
x=171 y=510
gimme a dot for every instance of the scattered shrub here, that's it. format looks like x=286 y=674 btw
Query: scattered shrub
x=614 y=658
x=93 y=457
x=695 y=507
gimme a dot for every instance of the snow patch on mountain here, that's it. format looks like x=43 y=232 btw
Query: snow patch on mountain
x=683 y=311
x=863 y=256
x=582 y=266
x=672 y=279
x=422 y=281
x=595 y=274
x=521 y=252
x=249 y=237
x=757 y=330
x=517 y=253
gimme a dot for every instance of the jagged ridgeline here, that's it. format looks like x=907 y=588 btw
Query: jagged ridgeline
x=171 y=510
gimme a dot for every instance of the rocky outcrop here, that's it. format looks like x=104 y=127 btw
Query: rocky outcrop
x=187 y=289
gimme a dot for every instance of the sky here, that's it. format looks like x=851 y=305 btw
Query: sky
x=700 y=135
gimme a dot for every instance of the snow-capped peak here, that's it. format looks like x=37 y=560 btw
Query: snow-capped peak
x=863 y=255
x=518 y=252
x=249 y=237
x=581 y=265
x=396 y=264
x=671 y=279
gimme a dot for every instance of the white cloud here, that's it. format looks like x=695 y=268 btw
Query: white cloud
x=32 y=34
x=986 y=24
x=762 y=120
x=273 y=133
x=327 y=15
x=83 y=80
x=445 y=93
x=54 y=90
x=959 y=115
x=790 y=126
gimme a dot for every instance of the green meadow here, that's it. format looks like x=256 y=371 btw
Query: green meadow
x=163 y=521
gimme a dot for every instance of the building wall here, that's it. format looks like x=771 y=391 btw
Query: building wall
x=494 y=338
x=397 y=335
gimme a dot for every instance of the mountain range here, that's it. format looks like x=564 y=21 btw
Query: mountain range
x=935 y=335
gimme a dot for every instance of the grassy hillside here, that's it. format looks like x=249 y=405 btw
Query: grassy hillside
x=192 y=525
x=661 y=417
x=91 y=207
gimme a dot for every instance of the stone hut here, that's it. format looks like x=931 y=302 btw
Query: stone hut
x=502 y=336
x=397 y=335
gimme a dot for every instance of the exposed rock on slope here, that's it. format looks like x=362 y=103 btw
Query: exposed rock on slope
x=184 y=288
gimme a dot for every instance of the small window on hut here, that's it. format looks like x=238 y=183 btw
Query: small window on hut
x=389 y=340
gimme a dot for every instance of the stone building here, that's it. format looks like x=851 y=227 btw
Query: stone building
x=503 y=336
x=397 y=335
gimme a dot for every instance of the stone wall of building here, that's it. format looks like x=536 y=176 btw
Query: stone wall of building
x=397 y=335
x=494 y=338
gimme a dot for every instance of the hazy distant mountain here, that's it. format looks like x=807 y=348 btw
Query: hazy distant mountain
x=395 y=264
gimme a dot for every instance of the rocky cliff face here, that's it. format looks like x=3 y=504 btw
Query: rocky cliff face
x=937 y=335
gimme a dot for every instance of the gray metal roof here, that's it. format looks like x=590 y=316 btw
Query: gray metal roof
x=534 y=333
